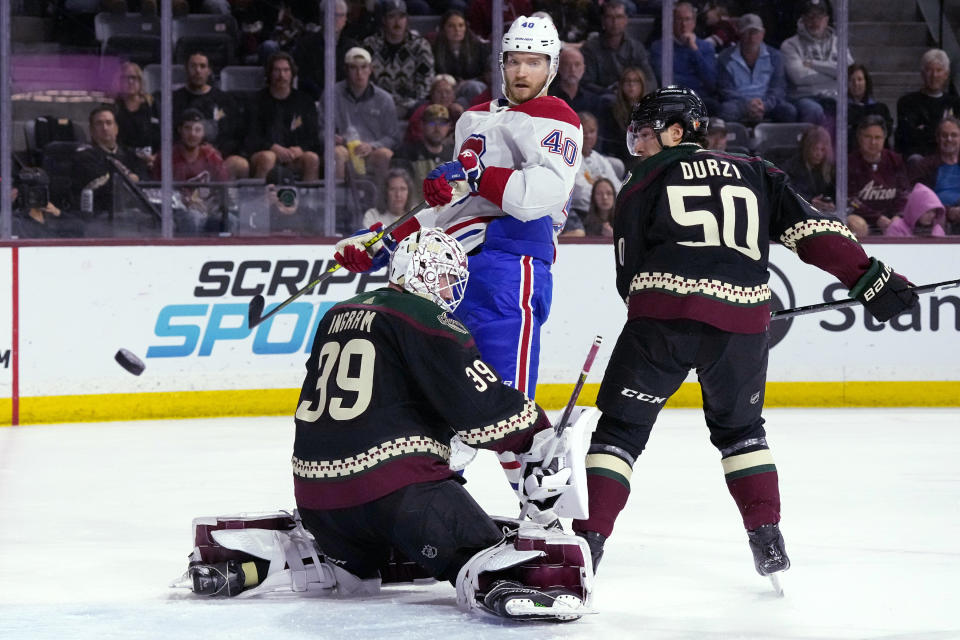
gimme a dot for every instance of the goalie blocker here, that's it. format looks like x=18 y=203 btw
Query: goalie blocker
x=531 y=574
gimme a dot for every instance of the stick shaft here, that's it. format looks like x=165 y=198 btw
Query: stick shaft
x=849 y=302
x=326 y=274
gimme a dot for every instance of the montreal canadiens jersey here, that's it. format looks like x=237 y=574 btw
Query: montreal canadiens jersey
x=391 y=377
x=692 y=232
x=530 y=154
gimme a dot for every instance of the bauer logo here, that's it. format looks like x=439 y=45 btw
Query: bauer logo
x=781 y=297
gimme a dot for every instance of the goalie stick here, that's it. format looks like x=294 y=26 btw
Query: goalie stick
x=258 y=302
x=849 y=302
x=558 y=428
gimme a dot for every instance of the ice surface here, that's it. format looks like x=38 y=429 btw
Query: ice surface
x=95 y=522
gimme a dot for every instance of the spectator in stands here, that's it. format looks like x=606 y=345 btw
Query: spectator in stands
x=136 y=117
x=694 y=59
x=860 y=102
x=608 y=53
x=221 y=113
x=567 y=85
x=283 y=124
x=812 y=170
x=420 y=157
x=95 y=164
x=34 y=216
x=308 y=52
x=458 y=52
x=194 y=160
x=877 y=180
x=811 y=61
x=720 y=29
x=442 y=91
x=923 y=215
x=941 y=170
x=394 y=198
x=603 y=200
x=919 y=112
x=615 y=115
x=365 y=120
x=717 y=134
x=287 y=29
x=480 y=14
x=402 y=60
x=752 y=82
x=594 y=166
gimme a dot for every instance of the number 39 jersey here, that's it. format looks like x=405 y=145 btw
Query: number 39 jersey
x=391 y=377
x=530 y=154
x=692 y=233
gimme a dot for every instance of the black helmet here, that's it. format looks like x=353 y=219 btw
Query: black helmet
x=664 y=107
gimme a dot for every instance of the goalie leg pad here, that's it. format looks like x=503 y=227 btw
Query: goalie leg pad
x=538 y=568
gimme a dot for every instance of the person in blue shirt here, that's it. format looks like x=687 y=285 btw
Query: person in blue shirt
x=694 y=59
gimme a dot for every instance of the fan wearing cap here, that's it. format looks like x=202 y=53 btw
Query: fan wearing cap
x=517 y=160
x=811 y=60
x=752 y=84
x=365 y=119
x=195 y=160
x=435 y=147
x=402 y=59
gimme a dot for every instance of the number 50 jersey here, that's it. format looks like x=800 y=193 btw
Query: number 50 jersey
x=391 y=377
x=692 y=232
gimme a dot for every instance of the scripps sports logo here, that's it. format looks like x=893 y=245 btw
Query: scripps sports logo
x=781 y=297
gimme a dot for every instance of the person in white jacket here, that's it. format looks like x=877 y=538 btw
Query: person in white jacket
x=810 y=59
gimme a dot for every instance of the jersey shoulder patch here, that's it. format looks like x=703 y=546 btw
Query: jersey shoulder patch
x=550 y=107
x=418 y=313
x=448 y=320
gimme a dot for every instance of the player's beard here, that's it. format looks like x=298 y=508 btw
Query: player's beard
x=541 y=91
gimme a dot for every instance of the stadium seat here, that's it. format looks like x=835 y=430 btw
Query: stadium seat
x=768 y=135
x=242 y=78
x=423 y=25
x=213 y=34
x=738 y=138
x=58 y=163
x=132 y=36
x=151 y=77
x=640 y=27
x=70 y=132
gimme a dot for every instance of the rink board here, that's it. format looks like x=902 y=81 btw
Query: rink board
x=182 y=310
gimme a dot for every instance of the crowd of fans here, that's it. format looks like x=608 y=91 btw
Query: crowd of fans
x=398 y=94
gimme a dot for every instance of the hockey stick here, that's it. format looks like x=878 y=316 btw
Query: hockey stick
x=561 y=425
x=255 y=309
x=849 y=302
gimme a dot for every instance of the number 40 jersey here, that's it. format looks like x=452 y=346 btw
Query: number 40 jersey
x=390 y=378
x=692 y=232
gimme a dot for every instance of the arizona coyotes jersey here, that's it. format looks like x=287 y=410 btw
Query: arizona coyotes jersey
x=692 y=233
x=530 y=154
x=391 y=377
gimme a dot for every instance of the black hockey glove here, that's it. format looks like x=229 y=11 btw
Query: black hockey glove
x=882 y=292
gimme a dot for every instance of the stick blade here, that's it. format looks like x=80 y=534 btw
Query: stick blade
x=255 y=311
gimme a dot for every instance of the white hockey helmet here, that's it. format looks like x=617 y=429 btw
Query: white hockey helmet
x=533 y=34
x=431 y=264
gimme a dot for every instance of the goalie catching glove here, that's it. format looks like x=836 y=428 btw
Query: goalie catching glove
x=441 y=183
x=360 y=253
x=882 y=292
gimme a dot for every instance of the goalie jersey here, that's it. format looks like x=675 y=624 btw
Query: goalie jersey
x=530 y=154
x=692 y=232
x=391 y=377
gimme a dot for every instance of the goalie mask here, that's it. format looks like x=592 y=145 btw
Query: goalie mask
x=431 y=264
x=534 y=34
x=664 y=107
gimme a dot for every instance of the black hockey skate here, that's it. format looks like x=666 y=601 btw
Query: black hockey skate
x=219 y=579
x=769 y=554
x=595 y=541
x=510 y=599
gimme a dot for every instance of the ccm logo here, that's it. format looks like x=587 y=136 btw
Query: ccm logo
x=878 y=285
x=644 y=397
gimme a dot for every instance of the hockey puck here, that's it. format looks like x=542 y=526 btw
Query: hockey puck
x=130 y=362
